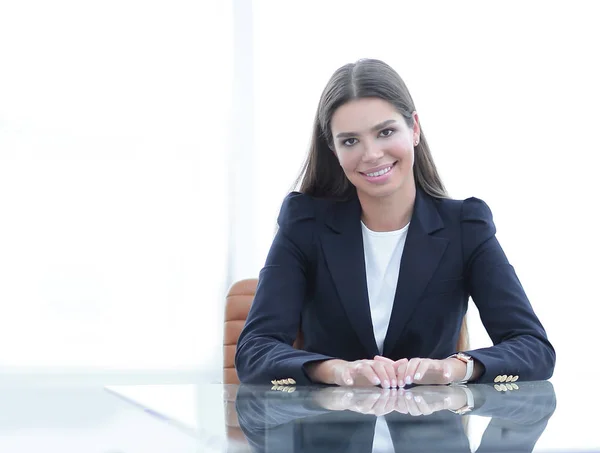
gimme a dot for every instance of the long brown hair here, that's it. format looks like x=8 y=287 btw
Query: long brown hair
x=321 y=174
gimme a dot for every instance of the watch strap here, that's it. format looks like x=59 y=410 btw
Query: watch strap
x=468 y=361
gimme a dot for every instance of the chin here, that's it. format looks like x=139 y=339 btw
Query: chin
x=383 y=192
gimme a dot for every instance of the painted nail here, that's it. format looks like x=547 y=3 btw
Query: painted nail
x=376 y=381
x=385 y=385
x=417 y=376
x=394 y=383
x=408 y=380
x=349 y=381
x=400 y=383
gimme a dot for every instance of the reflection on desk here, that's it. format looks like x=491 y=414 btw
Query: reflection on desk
x=421 y=419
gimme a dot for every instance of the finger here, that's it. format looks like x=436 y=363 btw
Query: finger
x=421 y=370
x=401 y=402
x=391 y=372
x=422 y=405
x=391 y=401
x=367 y=401
x=346 y=400
x=410 y=370
x=383 y=359
x=346 y=377
x=447 y=372
x=365 y=370
x=379 y=408
x=447 y=403
x=401 y=371
x=382 y=373
x=413 y=409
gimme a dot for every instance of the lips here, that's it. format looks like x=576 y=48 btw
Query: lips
x=378 y=171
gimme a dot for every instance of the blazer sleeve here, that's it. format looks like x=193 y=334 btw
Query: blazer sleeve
x=264 y=350
x=521 y=346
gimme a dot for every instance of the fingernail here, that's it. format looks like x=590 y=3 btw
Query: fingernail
x=447 y=375
x=408 y=396
x=418 y=399
x=386 y=385
x=401 y=383
x=394 y=383
x=417 y=376
x=349 y=381
x=376 y=381
x=408 y=380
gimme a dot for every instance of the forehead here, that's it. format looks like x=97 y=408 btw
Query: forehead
x=359 y=115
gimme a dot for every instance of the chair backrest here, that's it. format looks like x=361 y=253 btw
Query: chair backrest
x=237 y=306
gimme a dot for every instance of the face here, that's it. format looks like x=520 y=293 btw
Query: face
x=375 y=146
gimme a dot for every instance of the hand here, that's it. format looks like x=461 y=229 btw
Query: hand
x=426 y=371
x=422 y=400
x=359 y=373
x=425 y=400
x=366 y=400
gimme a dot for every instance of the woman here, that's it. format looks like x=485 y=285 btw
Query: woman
x=376 y=264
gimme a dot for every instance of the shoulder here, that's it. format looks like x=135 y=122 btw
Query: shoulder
x=474 y=219
x=468 y=210
x=299 y=208
x=476 y=210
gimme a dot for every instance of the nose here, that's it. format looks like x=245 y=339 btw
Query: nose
x=372 y=152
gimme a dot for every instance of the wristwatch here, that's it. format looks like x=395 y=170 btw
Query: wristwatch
x=469 y=362
x=468 y=407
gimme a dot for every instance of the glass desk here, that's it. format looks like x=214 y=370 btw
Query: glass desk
x=78 y=416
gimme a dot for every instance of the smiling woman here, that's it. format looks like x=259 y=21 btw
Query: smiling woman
x=373 y=246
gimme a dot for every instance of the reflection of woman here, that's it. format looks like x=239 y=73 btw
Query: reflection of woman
x=376 y=264
x=314 y=420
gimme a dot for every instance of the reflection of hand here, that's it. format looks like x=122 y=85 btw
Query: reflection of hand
x=423 y=400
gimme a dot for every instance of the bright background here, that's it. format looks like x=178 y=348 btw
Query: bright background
x=145 y=149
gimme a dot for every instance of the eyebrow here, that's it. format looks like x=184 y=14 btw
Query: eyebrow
x=374 y=128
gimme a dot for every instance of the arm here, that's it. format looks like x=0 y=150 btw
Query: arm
x=264 y=352
x=521 y=346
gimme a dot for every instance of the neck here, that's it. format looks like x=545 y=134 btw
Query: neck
x=388 y=213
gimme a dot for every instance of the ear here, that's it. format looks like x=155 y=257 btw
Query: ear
x=416 y=129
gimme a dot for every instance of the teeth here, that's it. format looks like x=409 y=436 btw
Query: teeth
x=380 y=172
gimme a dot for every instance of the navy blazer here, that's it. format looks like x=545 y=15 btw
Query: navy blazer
x=314 y=277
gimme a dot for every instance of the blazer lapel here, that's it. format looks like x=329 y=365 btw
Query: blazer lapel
x=421 y=255
x=344 y=254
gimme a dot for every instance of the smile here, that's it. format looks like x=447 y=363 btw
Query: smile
x=380 y=172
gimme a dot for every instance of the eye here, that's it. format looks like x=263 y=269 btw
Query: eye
x=350 y=142
x=387 y=132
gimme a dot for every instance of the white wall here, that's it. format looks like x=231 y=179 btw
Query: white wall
x=113 y=201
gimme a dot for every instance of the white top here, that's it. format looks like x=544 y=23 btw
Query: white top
x=383 y=252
